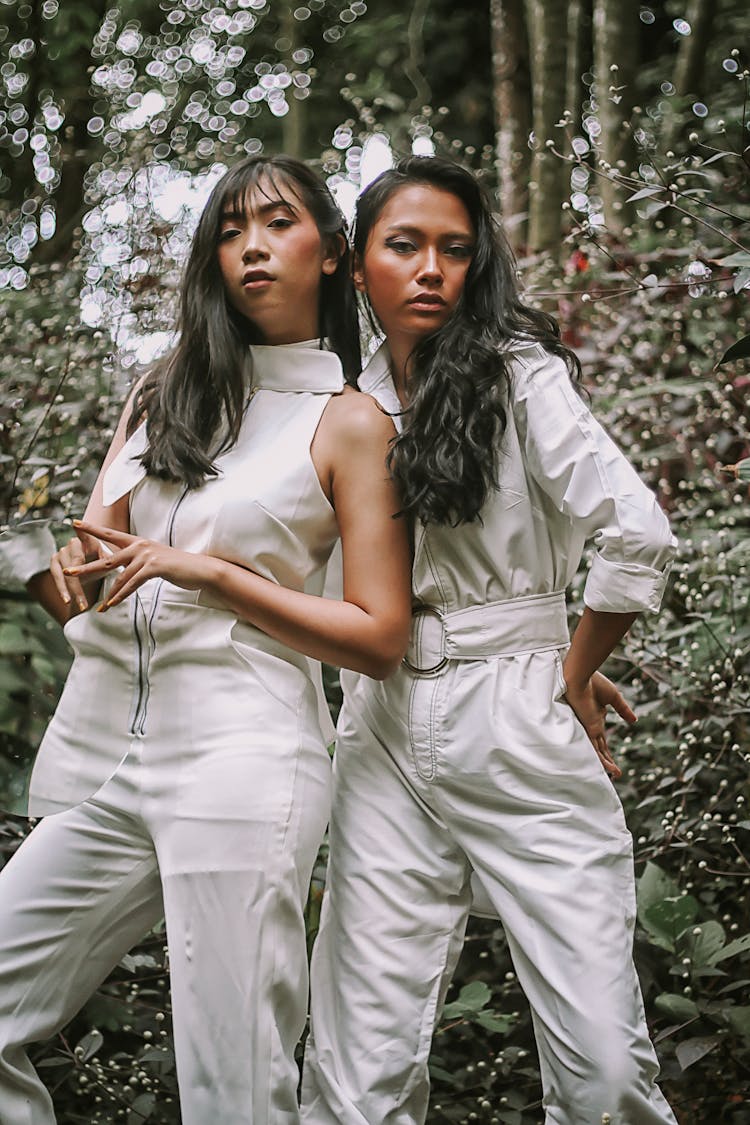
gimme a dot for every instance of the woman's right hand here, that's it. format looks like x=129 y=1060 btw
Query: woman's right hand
x=80 y=549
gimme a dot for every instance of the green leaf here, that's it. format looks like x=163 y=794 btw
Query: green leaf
x=471 y=999
x=707 y=944
x=141 y=1109
x=741 y=281
x=644 y=192
x=89 y=1045
x=692 y=1050
x=679 y=1008
x=654 y=886
x=493 y=1022
x=739 y=258
x=739 y=945
x=668 y=919
x=738 y=350
x=739 y=1021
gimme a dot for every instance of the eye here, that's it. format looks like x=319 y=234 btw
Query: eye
x=227 y=233
x=279 y=224
x=460 y=250
x=400 y=245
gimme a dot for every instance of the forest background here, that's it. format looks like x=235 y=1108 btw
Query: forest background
x=616 y=137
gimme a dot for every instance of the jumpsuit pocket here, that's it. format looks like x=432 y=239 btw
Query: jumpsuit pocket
x=425 y=723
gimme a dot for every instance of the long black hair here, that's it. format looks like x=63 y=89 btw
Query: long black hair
x=193 y=400
x=445 y=461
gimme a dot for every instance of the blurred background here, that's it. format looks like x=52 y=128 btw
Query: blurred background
x=615 y=138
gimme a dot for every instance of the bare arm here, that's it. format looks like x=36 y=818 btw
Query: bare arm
x=368 y=630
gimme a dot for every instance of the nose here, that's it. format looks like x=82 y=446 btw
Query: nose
x=430 y=269
x=254 y=248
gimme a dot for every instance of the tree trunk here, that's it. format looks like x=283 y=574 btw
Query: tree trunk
x=512 y=101
x=690 y=64
x=547 y=23
x=691 y=57
x=78 y=148
x=578 y=57
x=616 y=34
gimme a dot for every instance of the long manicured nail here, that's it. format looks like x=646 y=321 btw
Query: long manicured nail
x=82 y=604
x=103 y=607
x=71 y=570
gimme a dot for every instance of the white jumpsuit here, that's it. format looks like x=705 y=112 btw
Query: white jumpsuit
x=479 y=770
x=190 y=752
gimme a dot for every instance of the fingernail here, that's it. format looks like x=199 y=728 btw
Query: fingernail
x=65 y=599
x=72 y=570
x=82 y=603
x=103 y=607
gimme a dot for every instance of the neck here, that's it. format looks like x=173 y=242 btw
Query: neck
x=400 y=349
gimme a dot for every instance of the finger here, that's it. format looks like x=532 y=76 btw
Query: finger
x=605 y=757
x=622 y=708
x=108 y=534
x=90 y=547
x=58 y=578
x=101 y=566
x=127 y=583
x=610 y=766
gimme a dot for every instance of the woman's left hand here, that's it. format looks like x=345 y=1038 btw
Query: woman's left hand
x=590 y=703
x=140 y=559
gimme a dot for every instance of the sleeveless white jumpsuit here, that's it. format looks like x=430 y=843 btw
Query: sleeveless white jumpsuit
x=474 y=776
x=190 y=752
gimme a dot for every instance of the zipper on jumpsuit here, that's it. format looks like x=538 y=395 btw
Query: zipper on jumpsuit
x=145 y=642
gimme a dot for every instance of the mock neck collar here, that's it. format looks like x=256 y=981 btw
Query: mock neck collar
x=296 y=367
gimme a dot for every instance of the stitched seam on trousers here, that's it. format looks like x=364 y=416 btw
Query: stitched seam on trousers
x=429 y=774
x=434 y=723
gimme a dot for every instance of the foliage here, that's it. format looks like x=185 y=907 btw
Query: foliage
x=651 y=318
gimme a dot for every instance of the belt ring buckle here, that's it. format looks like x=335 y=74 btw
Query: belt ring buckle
x=417 y=609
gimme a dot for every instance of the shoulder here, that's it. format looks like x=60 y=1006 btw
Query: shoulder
x=354 y=417
x=533 y=369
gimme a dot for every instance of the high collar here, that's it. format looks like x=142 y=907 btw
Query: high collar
x=291 y=368
x=303 y=367
x=377 y=380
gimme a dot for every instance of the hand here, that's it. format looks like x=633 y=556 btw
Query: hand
x=141 y=559
x=590 y=703
x=65 y=566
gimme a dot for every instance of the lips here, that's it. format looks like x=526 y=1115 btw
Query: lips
x=256 y=279
x=428 y=301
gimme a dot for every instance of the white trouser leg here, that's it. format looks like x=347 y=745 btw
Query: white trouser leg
x=392 y=927
x=236 y=854
x=543 y=828
x=523 y=800
x=80 y=891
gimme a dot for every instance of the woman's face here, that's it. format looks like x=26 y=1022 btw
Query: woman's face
x=415 y=261
x=271 y=258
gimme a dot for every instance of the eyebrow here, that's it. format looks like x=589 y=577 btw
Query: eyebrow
x=263 y=209
x=405 y=228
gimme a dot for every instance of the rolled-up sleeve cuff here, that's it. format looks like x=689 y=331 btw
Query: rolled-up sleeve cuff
x=624 y=587
x=25 y=550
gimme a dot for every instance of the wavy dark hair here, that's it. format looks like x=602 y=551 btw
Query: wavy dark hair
x=446 y=459
x=194 y=399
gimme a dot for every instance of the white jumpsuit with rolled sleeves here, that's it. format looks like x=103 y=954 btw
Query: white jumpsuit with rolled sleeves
x=481 y=770
x=204 y=745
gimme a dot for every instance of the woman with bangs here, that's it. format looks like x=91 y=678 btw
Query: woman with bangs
x=479 y=769
x=185 y=772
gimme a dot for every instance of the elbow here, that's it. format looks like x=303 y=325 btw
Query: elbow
x=384 y=658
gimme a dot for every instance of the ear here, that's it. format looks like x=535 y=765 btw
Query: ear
x=333 y=253
x=358 y=274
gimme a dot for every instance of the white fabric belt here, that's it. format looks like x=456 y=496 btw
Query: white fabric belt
x=506 y=628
